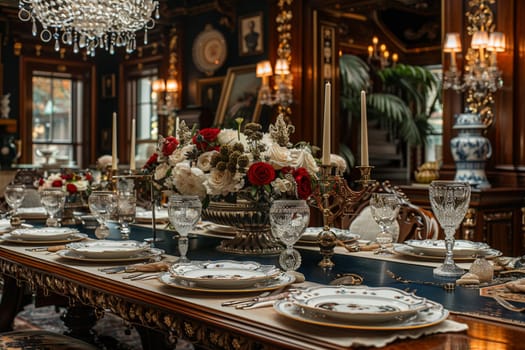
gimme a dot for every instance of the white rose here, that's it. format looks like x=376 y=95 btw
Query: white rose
x=278 y=156
x=179 y=155
x=81 y=185
x=222 y=182
x=282 y=185
x=339 y=162
x=301 y=157
x=161 y=171
x=204 y=160
x=230 y=137
x=189 y=180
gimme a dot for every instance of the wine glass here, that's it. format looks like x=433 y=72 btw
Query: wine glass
x=385 y=209
x=184 y=212
x=14 y=196
x=289 y=219
x=127 y=205
x=102 y=205
x=53 y=200
x=449 y=201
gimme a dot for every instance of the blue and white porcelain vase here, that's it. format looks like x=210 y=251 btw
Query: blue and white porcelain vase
x=470 y=150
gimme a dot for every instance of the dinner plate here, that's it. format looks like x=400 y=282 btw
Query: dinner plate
x=145 y=216
x=432 y=315
x=310 y=235
x=108 y=248
x=405 y=250
x=223 y=274
x=73 y=237
x=43 y=233
x=220 y=229
x=282 y=280
x=143 y=255
x=358 y=304
x=437 y=247
x=32 y=213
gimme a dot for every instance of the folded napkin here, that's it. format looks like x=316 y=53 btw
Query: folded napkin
x=517 y=286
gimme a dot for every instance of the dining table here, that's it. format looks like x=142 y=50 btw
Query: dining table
x=475 y=320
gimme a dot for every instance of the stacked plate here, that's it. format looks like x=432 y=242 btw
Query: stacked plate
x=108 y=250
x=435 y=249
x=43 y=235
x=225 y=276
x=145 y=216
x=361 y=308
x=309 y=237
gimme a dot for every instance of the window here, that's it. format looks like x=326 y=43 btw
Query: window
x=57 y=106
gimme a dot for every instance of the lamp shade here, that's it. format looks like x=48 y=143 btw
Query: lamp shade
x=452 y=43
x=158 y=85
x=480 y=40
x=264 y=69
x=172 y=85
x=282 y=67
x=496 y=42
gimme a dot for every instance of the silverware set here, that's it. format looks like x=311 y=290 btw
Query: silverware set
x=264 y=299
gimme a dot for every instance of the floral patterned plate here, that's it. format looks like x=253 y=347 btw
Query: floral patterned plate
x=150 y=254
x=73 y=237
x=408 y=251
x=437 y=247
x=358 y=304
x=43 y=233
x=223 y=274
x=108 y=249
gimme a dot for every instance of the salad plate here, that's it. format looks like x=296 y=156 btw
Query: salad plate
x=408 y=251
x=151 y=253
x=358 y=304
x=72 y=237
x=109 y=249
x=437 y=247
x=433 y=314
x=223 y=274
x=280 y=281
x=43 y=233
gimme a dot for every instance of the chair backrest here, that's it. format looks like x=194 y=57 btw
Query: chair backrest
x=413 y=222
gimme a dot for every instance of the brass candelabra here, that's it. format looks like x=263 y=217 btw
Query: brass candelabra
x=334 y=198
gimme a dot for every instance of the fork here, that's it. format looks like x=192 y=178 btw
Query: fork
x=507 y=305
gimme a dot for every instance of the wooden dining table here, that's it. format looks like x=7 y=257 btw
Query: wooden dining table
x=200 y=318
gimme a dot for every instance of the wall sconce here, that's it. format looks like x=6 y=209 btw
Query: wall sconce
x=481 y=76
x=283 y=83
x=379 y=53
x=166 y=94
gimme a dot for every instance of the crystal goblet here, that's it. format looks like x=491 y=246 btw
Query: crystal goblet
x=289 y=219
x=184 y=212
x=53 y=200
x=385 y=209
x=102 y=205
x=14 y=196
x=449 y=201
x=127 y=205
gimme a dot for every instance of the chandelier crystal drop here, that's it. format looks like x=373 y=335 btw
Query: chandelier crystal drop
x=90 y=24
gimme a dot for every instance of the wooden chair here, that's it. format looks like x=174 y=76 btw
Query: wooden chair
x=414 y=222
x=38 y=339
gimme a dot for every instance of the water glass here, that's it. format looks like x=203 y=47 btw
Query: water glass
x=127 y=205
x=184 y=212
x=289 y=219
x=53 y=200
x=385 y=209
x=14 y=196
x=449 y=201
x=102 y=205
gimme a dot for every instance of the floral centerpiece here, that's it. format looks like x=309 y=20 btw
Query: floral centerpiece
x=248 y=167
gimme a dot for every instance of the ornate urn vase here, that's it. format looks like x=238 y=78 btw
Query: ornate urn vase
x=470 y=150
x=251 y=222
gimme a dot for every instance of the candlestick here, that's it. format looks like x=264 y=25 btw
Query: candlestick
x=326 y=124
x=132 y=165
x=114 y=143
x=364 y=131
x=177 y=121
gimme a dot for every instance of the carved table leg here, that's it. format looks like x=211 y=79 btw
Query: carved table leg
x=80 y=321
x=151 y=339
x=12 y=302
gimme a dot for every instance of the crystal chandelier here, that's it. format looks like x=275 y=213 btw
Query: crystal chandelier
x=90 y=24
x=481 y=76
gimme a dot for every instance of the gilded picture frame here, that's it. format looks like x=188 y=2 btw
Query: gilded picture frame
x=251 y=39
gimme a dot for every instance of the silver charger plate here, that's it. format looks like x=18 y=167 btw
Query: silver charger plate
x=74 y=237
x=282 y=280
x=151 y=253
x=434 y=314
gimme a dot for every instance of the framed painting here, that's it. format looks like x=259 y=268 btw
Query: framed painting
x=251 y=35
x=239 y=97
x=209 y=92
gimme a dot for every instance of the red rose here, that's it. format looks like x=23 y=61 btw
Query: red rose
x=67 y=176
x=71 y=188
x=260 y=174
x=152 y=160
x=287 y=170
x=56 y=183
x=89 y=177
x=304 y=183
x=41 y=182
x=170 y=145
x=205 y=139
